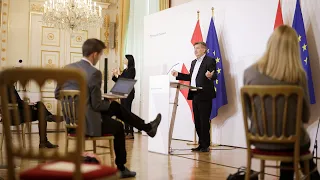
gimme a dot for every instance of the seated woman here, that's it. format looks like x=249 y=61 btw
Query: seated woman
x=44 y=143
x=281 y=65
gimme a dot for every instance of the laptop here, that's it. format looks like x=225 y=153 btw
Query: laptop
x=121 y=89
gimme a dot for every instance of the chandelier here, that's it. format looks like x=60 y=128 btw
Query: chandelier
x=72 y=15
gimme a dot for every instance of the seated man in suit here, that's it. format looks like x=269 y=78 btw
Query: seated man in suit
x=44 y=143
x=99 y=112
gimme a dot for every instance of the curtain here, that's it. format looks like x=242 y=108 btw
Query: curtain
x=135 y=46
x=124 y=20
x=153 y=6
x=164 y=4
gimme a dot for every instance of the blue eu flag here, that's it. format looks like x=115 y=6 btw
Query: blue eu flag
x=298 y=25
x=219 y=84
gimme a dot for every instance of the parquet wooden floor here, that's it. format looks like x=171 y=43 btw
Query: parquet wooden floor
x=183 y=165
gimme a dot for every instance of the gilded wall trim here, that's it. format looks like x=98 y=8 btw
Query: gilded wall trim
x=36 y=8
x=4 y=31
x=106 y=33
x=116 y=39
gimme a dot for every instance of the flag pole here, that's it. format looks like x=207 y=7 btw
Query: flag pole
x=198 y=15
x=211 y=144
x=195 y=142
x=212 y=9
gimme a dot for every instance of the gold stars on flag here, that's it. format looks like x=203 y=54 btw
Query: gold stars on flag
x=299 y=38
x=304 y=47
x=214 y=53
x=306 y=60
x=208 y=50
x=219 y=70
x=217 y=81
x=217 y=60
x=215 y=89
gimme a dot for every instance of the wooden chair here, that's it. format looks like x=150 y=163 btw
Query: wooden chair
x=13 y=107
x=66 y=165
x=255 y=96
x=68 y=100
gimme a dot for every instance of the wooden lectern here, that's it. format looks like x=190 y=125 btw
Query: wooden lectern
x=178 y=87
x=159 y=97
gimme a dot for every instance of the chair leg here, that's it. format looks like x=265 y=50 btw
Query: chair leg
x=111 y=151
x=248 y=167
x=67 y=145
x=262 y=167
x=29 y=127
x=307 y=169
x=23 y=136
x=296 y=169
x=94 y=144
x=1 y=138
x=278 y=169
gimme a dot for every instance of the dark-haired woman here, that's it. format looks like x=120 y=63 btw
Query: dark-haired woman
x=129 y=72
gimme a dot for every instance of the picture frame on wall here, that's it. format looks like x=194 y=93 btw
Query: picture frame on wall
x=75 y=56
x=78 y=38
x=50 y=36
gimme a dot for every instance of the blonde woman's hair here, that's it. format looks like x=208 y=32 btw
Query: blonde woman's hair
x=281 y=59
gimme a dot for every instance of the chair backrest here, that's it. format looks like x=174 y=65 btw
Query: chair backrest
x=266 y=108
x=40 y=76
x=11 y=107
x=69 y=101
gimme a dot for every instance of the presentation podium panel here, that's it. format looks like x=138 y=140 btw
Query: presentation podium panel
x=159 y=102
x=159 y=93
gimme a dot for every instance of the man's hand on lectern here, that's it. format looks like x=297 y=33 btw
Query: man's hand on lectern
x=209 y=74
x=174 y=73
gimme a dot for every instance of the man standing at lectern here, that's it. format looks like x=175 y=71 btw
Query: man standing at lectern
x=202 y=74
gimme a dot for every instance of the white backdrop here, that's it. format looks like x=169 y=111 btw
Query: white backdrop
x=243 y=27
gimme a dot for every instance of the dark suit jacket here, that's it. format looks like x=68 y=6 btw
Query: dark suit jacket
x=95 y=104
x=129 y=73
x=33 y=108
x=207 y=92
x=252 y=76
x=15 y=98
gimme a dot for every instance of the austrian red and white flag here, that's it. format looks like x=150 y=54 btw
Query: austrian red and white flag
x=197 y=34
x=185 y=92
x=279 y=20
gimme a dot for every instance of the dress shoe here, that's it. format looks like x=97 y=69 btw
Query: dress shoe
x=196 y=149
x=154 y=126
x=47 y=145
x=126 y=173
x=204 y=149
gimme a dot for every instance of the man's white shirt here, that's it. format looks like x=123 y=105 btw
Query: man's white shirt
x=195 y=71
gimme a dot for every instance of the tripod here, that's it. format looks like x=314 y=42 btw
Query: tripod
x=315 y=147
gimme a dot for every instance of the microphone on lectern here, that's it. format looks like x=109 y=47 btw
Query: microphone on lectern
x=172 y=67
